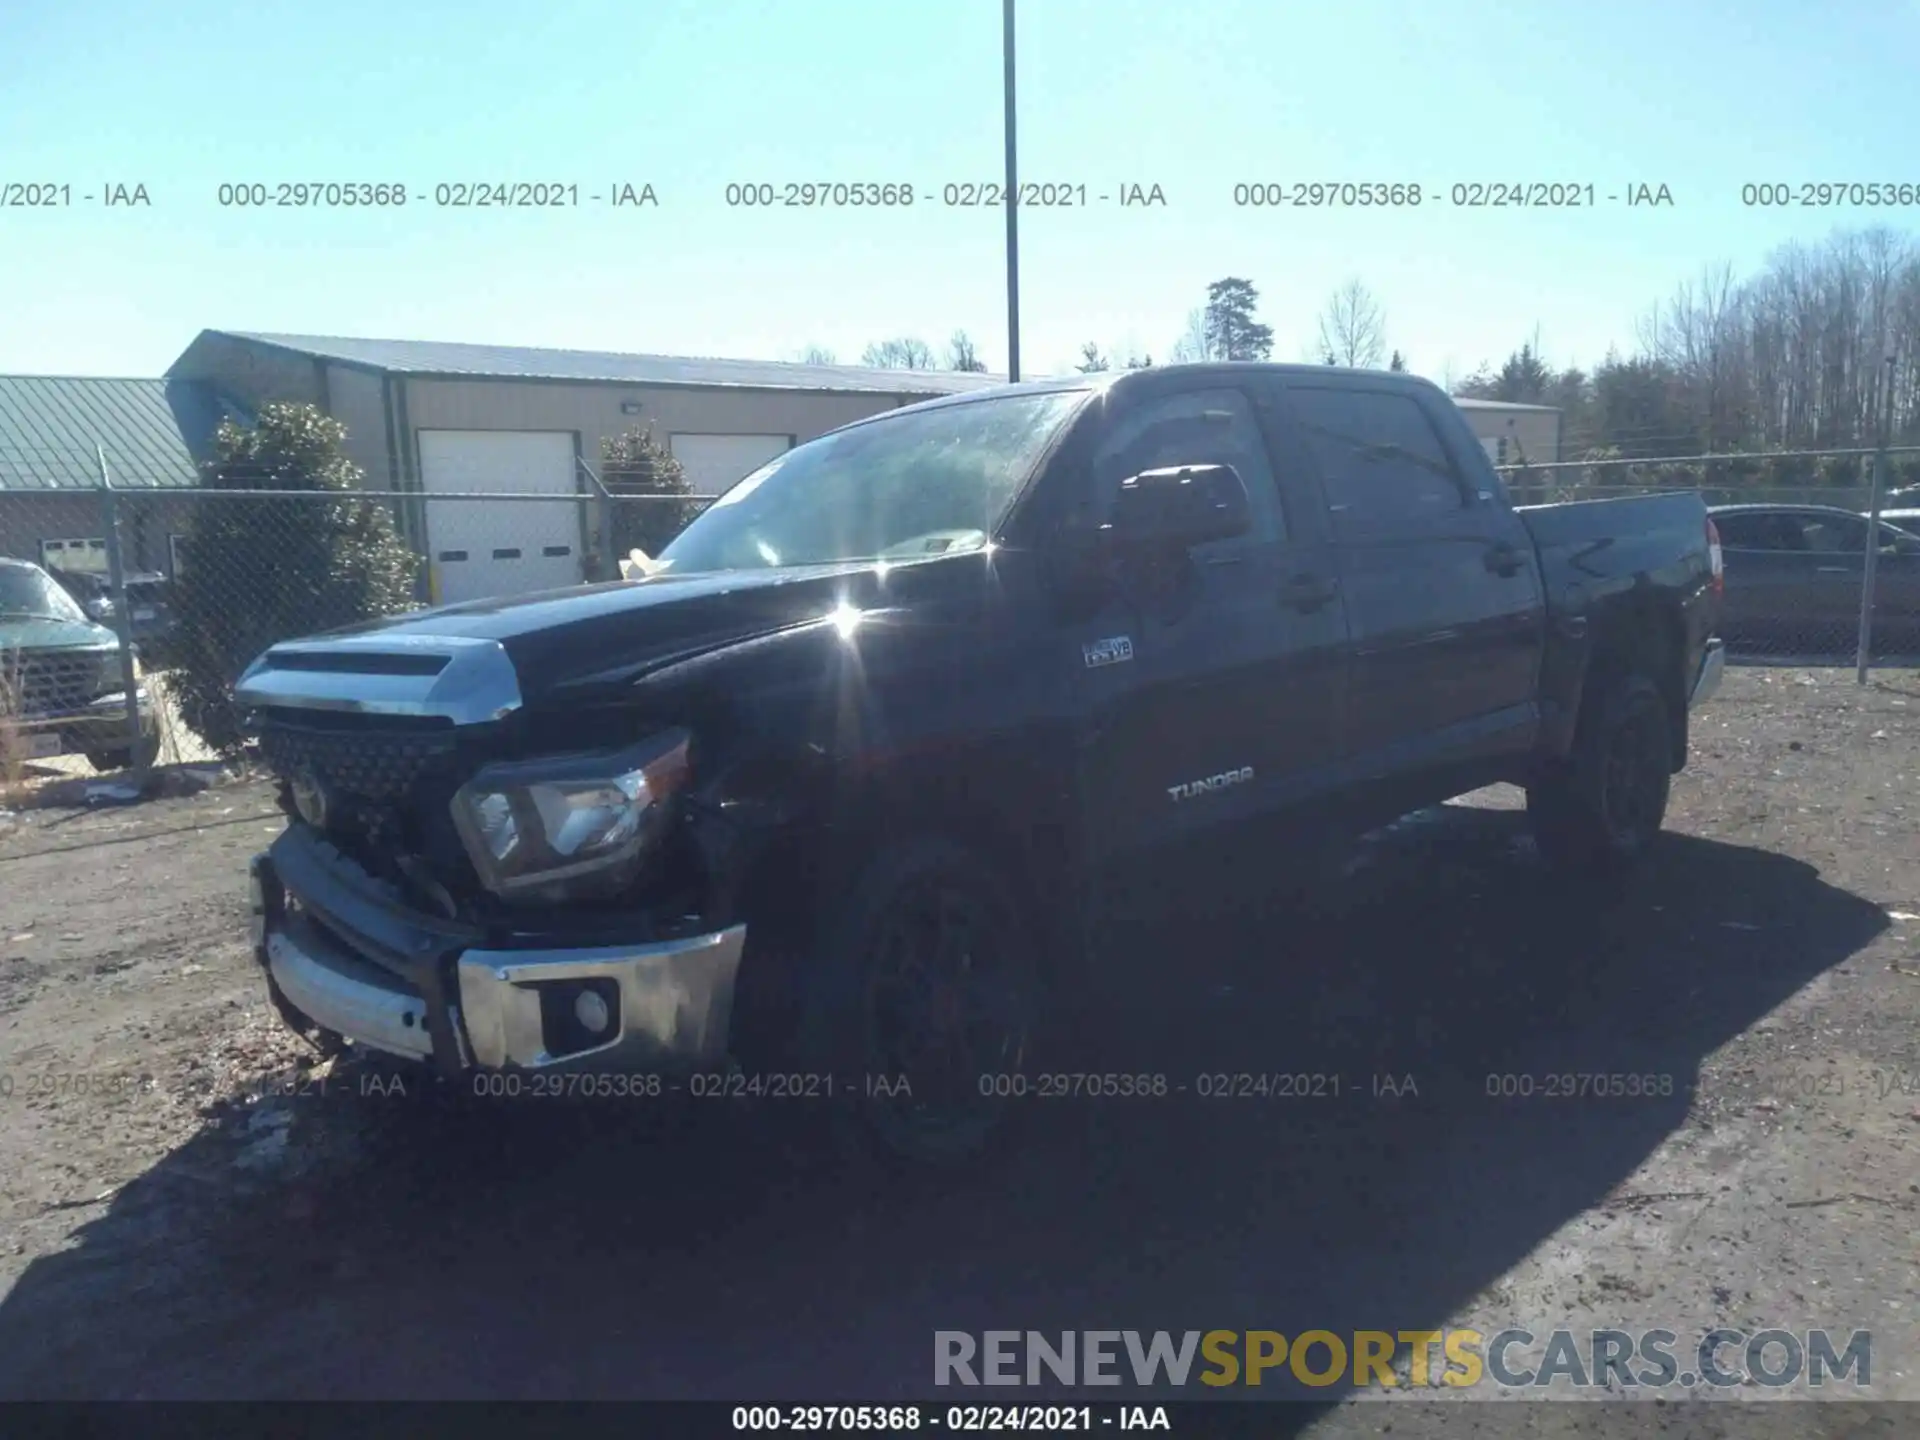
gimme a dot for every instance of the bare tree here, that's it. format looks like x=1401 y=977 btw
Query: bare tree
x=817 y=355
x=1091 y=361
x=905 y=353
x=1126 y=354
x=961 y=354
x=1191 y=347
x=1793 y=357
x=1352 y=329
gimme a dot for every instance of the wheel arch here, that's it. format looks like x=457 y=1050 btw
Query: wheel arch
x=998 y=808
x=1645 y=633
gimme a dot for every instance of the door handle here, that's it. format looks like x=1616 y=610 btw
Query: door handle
x=1834 y=570
x=1309 y=592
x=1503 y=559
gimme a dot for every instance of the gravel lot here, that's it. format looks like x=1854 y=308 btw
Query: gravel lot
x=189 y=1208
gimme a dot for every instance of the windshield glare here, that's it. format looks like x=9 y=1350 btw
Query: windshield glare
x=32 y=593
x=906 y=488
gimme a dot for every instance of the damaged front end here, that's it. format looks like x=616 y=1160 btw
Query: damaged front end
x=453 y=889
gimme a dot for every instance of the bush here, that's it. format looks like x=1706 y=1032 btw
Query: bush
x=263 y=570
x=635 y=464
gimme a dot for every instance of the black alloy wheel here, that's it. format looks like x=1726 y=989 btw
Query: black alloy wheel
x=930 y=993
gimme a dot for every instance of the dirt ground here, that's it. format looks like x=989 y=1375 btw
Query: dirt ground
x=191 y=1207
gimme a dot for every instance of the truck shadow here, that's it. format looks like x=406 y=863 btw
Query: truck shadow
x=538 y=1252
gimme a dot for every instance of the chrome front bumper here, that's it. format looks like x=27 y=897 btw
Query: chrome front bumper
x=1713 y=665
x=675 y=1005
x=673 y=1010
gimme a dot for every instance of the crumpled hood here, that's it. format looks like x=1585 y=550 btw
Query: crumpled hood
x=609 y=634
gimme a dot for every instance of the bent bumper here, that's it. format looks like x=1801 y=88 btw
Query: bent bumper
x=1713 y=665
x=663 y=1005
x=330 y=987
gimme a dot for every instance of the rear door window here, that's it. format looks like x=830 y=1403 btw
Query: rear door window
x=1384 y=469
x=1759 y=530
x=1833 y=534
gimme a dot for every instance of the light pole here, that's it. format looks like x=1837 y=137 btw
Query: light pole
x=1013 y=202
x=1864 y=654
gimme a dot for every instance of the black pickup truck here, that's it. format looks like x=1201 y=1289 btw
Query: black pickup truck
x=830 y=794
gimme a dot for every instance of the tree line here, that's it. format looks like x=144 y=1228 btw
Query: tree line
x=1817 y=350
x=1793 y=357
x=908 y=352
x=1352 y=332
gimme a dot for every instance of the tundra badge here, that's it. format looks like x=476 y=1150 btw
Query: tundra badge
x=1191 y=788
x=1110 y=651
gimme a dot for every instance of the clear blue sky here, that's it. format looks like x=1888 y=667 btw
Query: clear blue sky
x=687 y=95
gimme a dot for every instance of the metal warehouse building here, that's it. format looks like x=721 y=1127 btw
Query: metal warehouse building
x=1514 y=434
x=55 y=433
x=428 y=417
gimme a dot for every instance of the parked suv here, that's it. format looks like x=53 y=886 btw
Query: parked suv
x=62 y=686
x=830 y=794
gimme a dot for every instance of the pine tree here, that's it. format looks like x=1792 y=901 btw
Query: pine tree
x=1231 y=331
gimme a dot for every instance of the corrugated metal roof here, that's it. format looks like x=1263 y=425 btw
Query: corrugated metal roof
x=435 y=357
x=1467 y=404
x=52 y=427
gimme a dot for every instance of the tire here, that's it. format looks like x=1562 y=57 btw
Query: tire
x=929 y=937
x=1600 y=812
x=124 y=758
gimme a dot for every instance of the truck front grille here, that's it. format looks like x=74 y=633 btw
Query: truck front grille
x=45 y=682
x=379 y=766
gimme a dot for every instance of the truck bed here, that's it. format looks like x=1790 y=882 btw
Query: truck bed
x=1648 y=528
x=1601 y=558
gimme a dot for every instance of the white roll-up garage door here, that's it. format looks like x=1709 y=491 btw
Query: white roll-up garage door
x=713 y=463
x=480 y=549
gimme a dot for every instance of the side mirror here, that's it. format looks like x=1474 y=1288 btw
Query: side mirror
x=1179 y=507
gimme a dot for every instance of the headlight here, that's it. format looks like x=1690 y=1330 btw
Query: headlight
x=531 y=824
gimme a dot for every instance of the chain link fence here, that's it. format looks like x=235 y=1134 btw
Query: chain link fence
x=127 y=611
x=129 y=608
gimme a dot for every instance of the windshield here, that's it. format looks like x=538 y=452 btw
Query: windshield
x=932 y=483
x=30 y=593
